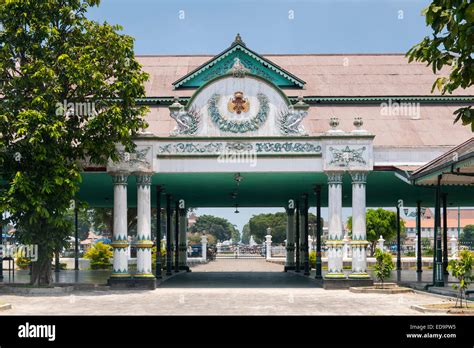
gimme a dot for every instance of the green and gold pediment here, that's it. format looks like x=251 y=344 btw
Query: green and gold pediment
x=251 y=62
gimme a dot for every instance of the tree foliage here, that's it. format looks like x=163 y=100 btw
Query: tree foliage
x=69 y=88
x=467 y=235
x=451 y=45
x=380 y=222
x=219 y=227
x=258 y=225
x=99 y=254
x=246 y=234
x=383 y=265
x=462 y=270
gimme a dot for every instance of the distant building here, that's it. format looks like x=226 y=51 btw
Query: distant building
x=466 y=217
x=192 y=218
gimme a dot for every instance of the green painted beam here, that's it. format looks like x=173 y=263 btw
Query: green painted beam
x=349 y=100
x=384 y=189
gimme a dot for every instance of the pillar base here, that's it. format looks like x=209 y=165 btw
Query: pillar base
x=144 y=275
x=335 y=276
x=145 y=283
x=345 y=283
x=359 y=275
x=289 y=268
x=184 y=268
x=120 y=282
x=137 y=282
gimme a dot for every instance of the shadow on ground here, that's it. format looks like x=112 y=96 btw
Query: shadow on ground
x=239 y=280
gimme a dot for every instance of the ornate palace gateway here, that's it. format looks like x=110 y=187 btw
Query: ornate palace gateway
x=292 y=131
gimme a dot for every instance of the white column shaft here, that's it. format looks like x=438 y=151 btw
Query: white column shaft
x=120 y=240
x=359 y=233
x=143 y=242
x=336 y=234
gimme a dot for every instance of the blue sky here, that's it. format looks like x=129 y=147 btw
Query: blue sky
x=268 y=26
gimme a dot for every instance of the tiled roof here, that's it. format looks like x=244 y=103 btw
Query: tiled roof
x=467 y=218
x=325 y=75
x=349 y=75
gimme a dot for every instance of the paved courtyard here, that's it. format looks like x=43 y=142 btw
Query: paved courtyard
x=254 y=287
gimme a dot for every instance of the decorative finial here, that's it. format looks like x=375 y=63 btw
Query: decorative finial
x=334 y=122
x=176 y=106
x=300 y=100
x=358 y=122
x=238 y=40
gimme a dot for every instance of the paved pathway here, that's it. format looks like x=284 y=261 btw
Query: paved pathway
x=261 y=290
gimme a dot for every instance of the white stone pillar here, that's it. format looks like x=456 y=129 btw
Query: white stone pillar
x=454 y=246
x=334 y=242
x=204 y=247
x=290 y=236
x=359 y=234
x=380 y=243
x=345 y=250
x=268 y=243
x=143 y=242
x=120 y=238
x=183 y=243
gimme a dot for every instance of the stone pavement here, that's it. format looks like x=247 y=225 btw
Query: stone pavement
x=254 y=288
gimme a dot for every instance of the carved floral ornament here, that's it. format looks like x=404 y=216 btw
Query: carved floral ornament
x=238 y=105
x=216 y=148
x=347 y=155
x=289 y=118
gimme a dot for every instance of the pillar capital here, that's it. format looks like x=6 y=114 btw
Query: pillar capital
x=143 y=179
x=119 y=178
x=359 y=177
x=335 y=177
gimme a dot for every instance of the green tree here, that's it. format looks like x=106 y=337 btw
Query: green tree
x=467 y=235
x=100 y=255
x=103 y=220
x=258 y=225
x=219 y=227
x=450 y=45
x=462 y=270
x=380 y=222
x=69 y=88
x=246 y=234
x=383 y=265
x=84 y=221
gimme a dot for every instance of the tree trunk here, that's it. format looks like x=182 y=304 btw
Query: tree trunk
x=41 y=274
x=372 y=248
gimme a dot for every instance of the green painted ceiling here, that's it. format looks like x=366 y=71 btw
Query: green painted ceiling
x=384 y=189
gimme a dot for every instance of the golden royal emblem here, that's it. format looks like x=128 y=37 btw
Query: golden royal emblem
x=238 y=104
